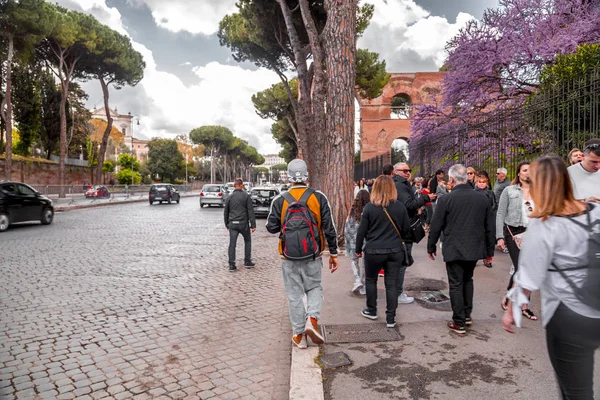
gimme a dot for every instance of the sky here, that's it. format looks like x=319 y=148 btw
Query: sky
x=190 y=80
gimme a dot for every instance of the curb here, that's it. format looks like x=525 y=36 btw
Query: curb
x=306 y=381
x=67 y=208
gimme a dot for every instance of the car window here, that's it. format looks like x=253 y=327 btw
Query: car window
x=26 y=190
x=212 y=189
x=264 y=193
x=9 y=188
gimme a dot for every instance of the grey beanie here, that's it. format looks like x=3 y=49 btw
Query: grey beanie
x=297 y=171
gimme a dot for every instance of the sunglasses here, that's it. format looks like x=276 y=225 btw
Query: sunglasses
x=470 y=173
x=528 y=205
x=591 y=146
x=404 y=170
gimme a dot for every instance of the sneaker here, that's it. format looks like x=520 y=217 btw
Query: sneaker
x=488 y=265
x=468 y=321
x=357 y=287
x=505 y=251
x=381 y=273
x=404 y=299
x=391 y=324
x=300 y=341
x=232 y=268
x=368 y=314
x=456 y=329
x=362 y=291
x=249 y=264
x=313 y=331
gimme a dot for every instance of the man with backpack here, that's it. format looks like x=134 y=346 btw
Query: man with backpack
x=302 y=217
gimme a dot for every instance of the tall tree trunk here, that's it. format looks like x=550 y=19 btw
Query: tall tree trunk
x=106 y=135
x=7 y=115
x=340 y=51
x=212 y=164
x=63 y=138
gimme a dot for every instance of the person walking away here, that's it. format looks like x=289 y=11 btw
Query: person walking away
x=575 y=156
x=468 y=217
x=239 y=219
x=511 y=223
x=585 y=176
x=350 y=230
x=384 y=224
x=301 y=265
x=560 y=259
x=412 y=204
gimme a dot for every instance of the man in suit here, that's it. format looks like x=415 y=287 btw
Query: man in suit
x=467 y=220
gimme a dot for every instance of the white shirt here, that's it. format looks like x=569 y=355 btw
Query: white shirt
x=585 y=184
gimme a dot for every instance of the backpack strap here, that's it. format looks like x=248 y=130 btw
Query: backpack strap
x=307 y=193
x=288 y=197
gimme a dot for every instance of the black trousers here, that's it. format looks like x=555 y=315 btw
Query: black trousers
x=513 y=250
x=390 y=263
x=234 y=232
x=572 y=340
x=460 y=280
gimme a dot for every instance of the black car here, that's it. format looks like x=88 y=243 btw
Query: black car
x=22 y=203
x=163 y=192
x=262 y=197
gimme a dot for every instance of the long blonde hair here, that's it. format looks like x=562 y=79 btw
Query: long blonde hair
x=551 y=189
x=384 y=191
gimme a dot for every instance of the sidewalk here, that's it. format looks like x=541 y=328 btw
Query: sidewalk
x=428 y=361
x=79 y=202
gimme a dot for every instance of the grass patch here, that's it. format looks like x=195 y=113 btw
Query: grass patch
x=17 y=157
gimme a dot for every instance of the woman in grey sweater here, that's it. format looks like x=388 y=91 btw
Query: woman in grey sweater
x=558 y=238
x=511 y=222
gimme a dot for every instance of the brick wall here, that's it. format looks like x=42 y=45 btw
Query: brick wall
x=35 y=173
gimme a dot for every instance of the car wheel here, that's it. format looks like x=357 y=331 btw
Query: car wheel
x=4 y=222
x=47 y=216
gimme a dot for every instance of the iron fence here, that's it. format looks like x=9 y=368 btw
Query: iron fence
x=371 y=168
x=553 y=121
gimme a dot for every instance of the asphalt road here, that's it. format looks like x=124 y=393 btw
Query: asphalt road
x=135 y=301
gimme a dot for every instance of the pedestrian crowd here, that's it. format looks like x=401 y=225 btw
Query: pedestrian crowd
x=547 y=218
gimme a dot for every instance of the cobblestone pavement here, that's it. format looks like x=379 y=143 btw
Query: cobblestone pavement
x=136 y=301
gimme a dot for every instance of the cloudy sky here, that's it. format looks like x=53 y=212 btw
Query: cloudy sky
x=190 y=80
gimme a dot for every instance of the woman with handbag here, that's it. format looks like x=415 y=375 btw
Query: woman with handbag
x=558 y=259
x=383 y=224
x=512 y=219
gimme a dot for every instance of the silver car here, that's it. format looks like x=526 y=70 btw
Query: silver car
x=213 y=194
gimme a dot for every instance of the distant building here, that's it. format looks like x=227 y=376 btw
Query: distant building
x=124 y=123
x=271 y=160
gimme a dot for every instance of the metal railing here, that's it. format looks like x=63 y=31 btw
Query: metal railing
x=79 y=190
x=371 y=168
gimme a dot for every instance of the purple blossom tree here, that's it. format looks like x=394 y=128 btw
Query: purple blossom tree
x=494 y=66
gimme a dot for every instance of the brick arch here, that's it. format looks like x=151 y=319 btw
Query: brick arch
x=375 y=113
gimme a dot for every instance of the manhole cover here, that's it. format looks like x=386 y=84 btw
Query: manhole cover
x=361 y=333
x=424 y=285
x=434 y=300
x=335 y=360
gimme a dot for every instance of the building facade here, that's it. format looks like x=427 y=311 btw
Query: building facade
x=388 y=117
x=124 y=123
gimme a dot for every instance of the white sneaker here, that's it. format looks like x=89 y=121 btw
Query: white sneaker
x=404 y=299
x=357 y=287
x=362 y=291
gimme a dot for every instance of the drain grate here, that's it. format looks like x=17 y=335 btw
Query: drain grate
x=434 y=300
x=360 y=333
x=335 y=360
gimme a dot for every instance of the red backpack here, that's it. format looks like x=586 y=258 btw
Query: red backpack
x=299 y=236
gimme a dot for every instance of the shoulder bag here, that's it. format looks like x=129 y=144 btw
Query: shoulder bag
x=406 y=257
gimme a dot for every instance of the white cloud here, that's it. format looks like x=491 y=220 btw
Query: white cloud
x=166 y=107
x=408 y=37
x=194 y=16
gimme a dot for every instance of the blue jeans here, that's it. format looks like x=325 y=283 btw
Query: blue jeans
x=303 y=278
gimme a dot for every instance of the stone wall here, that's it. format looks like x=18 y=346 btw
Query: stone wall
x=379 y=130
x=40 y=173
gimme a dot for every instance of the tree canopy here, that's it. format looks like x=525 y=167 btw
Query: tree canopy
x=164 y=158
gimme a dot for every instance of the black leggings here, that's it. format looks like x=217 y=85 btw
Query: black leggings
x=391 y=264
x=572 y=340
x=513 y=250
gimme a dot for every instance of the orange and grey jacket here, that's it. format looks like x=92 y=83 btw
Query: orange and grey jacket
x=318 y=204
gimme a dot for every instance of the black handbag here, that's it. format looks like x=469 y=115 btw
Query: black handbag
x=418 y=232
x=407 y=259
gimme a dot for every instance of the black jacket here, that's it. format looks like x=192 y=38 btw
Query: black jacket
x=408 y=197
x=377 y=229
x=238 y=207
x=467 y=220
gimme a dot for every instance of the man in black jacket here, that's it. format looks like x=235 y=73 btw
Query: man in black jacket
x=412 y=204
x=239 y=218
x=468 y=222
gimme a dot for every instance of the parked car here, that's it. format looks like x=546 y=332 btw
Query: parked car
x=163 y=192
x=213 y=194
x=262 y=197
x=97 y=192
x=22 y=203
